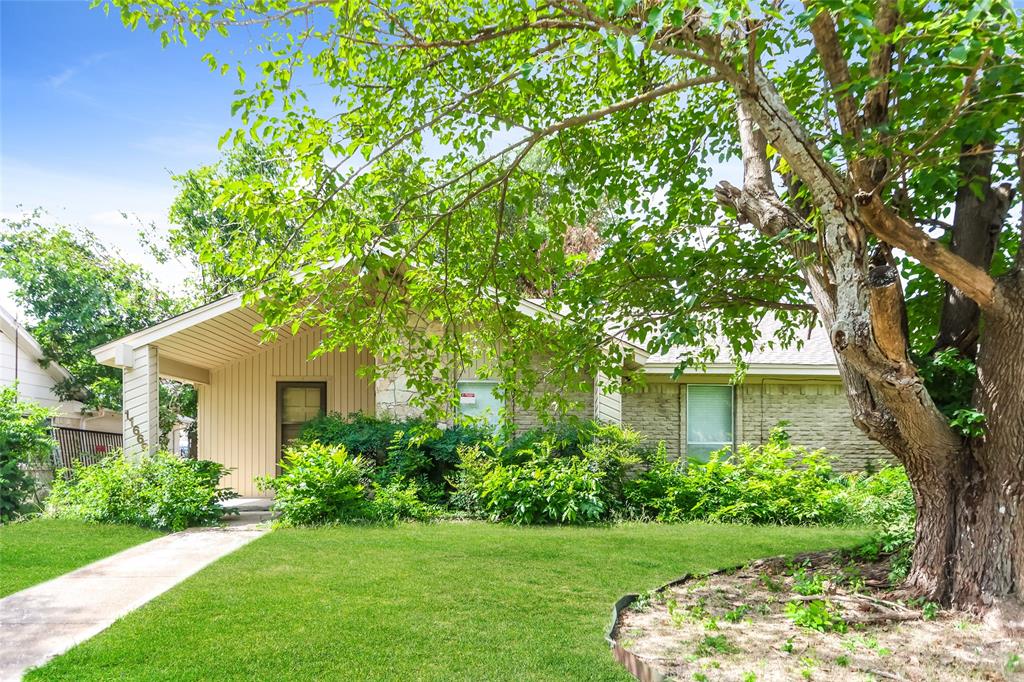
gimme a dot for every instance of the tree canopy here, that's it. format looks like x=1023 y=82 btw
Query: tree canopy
x=79 y=295
x=880 y=144
x=431 y=109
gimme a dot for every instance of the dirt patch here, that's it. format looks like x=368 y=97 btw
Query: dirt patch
x=742 y=625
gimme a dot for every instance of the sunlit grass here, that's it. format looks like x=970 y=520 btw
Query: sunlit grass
x=451 y=601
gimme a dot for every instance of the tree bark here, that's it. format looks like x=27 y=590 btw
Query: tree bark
x=989 y=552
x=968 y=535
x=977 y=222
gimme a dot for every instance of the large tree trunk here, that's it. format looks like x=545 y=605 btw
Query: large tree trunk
x=969 y=548
x=989 y=544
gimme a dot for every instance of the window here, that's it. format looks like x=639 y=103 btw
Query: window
x=478 y=399
x=708 y=419
x=297 y=403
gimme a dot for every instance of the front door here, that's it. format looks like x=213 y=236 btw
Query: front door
x=297 y=403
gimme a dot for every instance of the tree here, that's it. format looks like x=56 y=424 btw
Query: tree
x=860 y=126
x=201 y=223
x=79 y=295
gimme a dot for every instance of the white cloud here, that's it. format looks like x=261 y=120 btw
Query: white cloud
x=57 y=81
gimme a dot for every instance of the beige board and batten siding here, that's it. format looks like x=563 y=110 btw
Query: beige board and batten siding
x=141 y=403
x=816 y=408
x=607 y=399
x=238 y=409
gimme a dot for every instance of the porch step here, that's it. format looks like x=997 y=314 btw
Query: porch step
x=248 y=518
x=248 y=504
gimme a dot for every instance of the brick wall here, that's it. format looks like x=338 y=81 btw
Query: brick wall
x=818 y=412
x=819 y=416
x=529 y=419
x=654 y=410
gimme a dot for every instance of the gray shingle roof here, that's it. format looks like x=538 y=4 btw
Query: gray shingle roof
x=811 y=347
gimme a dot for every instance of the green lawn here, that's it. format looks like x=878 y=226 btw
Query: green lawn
x=453 y=601
x=37 y=550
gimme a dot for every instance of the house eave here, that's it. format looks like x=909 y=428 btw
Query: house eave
x=754 y=369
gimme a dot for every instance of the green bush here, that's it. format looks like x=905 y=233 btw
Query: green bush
x=24 y=440
x=551 y=479
x=325 y=484
x=161 y=491
x=320 y=483
x=544 y=490
x=773 y=483
x=363 y=468
x=398 y=501
x=403 y=450
x=884 y=500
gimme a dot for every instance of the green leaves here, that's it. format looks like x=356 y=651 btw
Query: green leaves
x=80 y=296
x=417 y=138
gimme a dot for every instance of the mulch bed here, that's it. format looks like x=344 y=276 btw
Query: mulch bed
x=740 y=625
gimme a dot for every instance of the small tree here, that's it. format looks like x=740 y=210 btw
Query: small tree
x=24 y=440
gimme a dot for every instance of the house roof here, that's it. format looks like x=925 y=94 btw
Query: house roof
x=214 y=334
x=810 y=354
x=12 y=329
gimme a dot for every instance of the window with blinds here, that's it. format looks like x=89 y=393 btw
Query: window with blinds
x=709 y=419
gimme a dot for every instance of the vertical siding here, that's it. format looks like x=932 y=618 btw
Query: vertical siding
x=238 y=410
x=607 y=403
x=141 y=400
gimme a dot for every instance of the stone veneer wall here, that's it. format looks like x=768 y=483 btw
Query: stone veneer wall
x=817 y=410
x=655 y=410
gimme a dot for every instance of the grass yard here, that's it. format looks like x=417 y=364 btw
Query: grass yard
x=452 y=601
x=34 y=551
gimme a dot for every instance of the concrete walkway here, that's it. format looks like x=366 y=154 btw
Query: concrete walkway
x=46 y=620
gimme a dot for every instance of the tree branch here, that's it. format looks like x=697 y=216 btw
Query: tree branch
x=895 y=231
x=837 y=70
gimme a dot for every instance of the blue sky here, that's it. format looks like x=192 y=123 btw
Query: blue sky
x=94 y=118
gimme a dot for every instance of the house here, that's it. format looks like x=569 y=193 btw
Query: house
x=701 y=410
x=21 y=365
x=254 y=397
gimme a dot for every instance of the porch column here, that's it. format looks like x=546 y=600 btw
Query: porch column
x=141 y=400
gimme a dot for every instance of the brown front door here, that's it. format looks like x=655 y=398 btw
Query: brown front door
x=297 y=403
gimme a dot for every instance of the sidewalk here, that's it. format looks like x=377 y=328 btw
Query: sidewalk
x=46 y=620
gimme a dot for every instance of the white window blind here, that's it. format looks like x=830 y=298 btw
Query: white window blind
x=709 y=424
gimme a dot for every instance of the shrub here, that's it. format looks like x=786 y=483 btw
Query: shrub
x=359 y=434
x=398 y=501
x=884 y=500
x=406 y=450
x=773 y=483
x=320 y=483
x=544 y=490
x=161 y=491
x=550 y=479
x=325 y=484
x=24 y=439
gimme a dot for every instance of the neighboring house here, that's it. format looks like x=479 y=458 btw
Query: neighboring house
x=254 y=397
x=21 y=365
